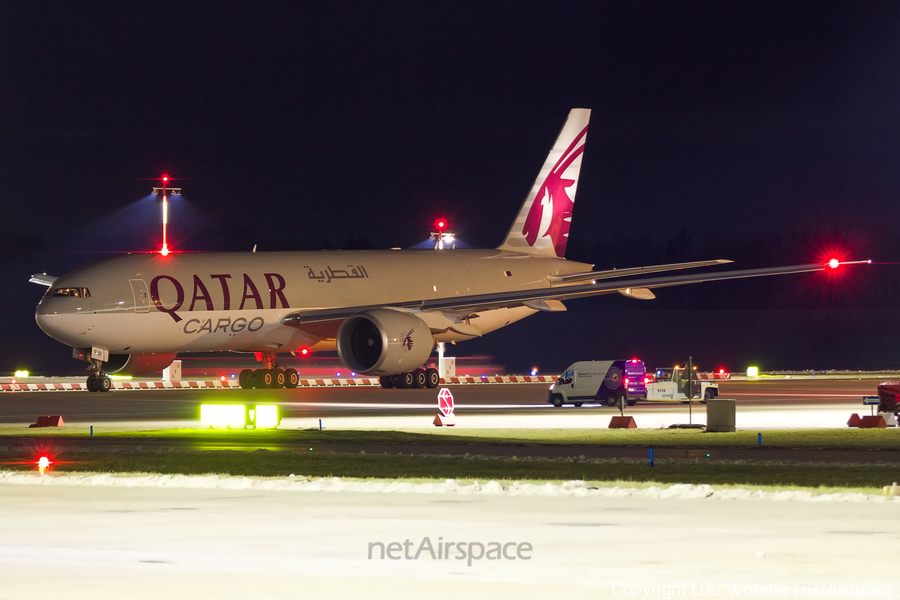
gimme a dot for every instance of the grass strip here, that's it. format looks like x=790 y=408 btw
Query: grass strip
x=828 y=439
x=394 y=466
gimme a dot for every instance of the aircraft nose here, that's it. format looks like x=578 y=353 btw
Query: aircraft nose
x=46 y=322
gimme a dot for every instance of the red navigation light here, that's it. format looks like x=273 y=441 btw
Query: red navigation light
x=304 y=351
x=441 y=224
x=165 y=178
x=834 y=263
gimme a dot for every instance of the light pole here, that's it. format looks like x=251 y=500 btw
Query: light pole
x=165 y=210
x=441 y=237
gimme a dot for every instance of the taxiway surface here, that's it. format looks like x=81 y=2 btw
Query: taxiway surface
x=760 y=404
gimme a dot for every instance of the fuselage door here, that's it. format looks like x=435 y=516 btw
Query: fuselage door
x=141 y=295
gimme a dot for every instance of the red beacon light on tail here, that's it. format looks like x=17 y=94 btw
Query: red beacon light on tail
x=834 y=263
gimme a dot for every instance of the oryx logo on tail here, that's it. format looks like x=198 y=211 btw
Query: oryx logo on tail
x=552 y=215
x=542 y=226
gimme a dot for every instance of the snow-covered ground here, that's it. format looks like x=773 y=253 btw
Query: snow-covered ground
x=209 y=537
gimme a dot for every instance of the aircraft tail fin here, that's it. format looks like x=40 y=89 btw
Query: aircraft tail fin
x=542 y=225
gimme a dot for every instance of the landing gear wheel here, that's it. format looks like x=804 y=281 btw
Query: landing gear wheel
x=387 y=382
x=611 y=400
x=92 y=383
x=262 y=379
x=557 y=401
x=278 y=378
x=291 y=378
x=578 y=404
x=102 y=383
x=432 y=378
x=246 y=379
x=419 y=379
x=405 y=380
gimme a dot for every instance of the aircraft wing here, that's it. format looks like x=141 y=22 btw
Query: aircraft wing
x=548 y=299
x=615 y=273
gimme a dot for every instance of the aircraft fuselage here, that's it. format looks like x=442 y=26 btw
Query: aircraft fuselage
x=198 y=302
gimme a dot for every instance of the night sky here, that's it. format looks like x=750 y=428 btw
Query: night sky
x=764 y=132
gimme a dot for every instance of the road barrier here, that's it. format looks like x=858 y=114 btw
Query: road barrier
x=233 y=384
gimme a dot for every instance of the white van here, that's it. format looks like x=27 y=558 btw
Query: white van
x=600 y=381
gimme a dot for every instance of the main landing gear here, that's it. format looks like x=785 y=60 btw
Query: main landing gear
x=99 y=381
x=419 y=378
x=272 y=377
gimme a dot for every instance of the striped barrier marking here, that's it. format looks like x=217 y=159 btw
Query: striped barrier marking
x=232 y=384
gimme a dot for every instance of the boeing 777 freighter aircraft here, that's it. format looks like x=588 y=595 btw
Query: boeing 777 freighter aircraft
x=383 y=310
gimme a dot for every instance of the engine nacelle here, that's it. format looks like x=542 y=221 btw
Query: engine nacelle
x=384 y=342
x=139 y=364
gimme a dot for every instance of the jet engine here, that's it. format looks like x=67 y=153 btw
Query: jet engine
x=139 y=364
x=384 y=342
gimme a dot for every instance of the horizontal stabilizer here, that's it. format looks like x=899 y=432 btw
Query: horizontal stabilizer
x=42 y=279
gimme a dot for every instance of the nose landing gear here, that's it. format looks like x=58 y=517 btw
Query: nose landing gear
x=99 y=381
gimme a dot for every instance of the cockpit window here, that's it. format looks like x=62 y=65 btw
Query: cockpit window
x=78 y=292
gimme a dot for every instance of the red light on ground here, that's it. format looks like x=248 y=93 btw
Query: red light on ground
x=43 y=464
x=164 y=250
x=165 y=178
x=721 y=371
x=834 y=263
x=441 y=224
x=222 y=378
